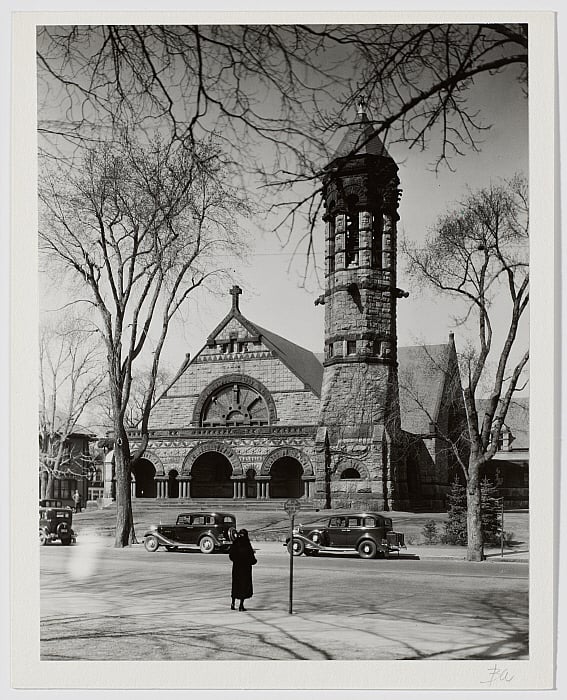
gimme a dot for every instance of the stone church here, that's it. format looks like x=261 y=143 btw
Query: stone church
x=254 y=417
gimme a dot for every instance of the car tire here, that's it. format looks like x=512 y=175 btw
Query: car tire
x=207 y=545
x=43 y=539
x=316 y=537
x=232 y=532
x=66 y=541
x=367 y=549
x=151 y=543
x=296 y=547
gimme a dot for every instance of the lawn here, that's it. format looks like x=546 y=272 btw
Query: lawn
x=274 y=524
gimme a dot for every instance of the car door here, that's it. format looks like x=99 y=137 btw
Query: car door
x=178 y=533
x=350 y=532
x=335 y=532
x=198 y=526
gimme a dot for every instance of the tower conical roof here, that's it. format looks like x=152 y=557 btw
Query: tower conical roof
x=361 y=139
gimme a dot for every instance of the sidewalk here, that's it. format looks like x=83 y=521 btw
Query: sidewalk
x=424 y=552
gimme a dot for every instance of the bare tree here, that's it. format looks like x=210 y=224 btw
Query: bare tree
x=286 y=88
x=71 y=376
x=139 y=227
x=142 y=382
x=478 y=254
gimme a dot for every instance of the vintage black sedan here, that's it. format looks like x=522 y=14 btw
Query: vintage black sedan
x=369 y=534
x=55 y=521
x=208 y=531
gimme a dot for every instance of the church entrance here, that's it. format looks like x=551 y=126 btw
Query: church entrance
x=173 y=484
x=251 y=490
x=285 y=479
x=210 y=476
x=145 y=485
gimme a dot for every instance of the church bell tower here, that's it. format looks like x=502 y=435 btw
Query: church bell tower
x=359 y=422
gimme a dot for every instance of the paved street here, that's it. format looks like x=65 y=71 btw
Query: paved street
x=130 y=604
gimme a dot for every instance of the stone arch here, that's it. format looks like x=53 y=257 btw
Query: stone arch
x=154 y=459
x=292 y=452
x=143 y=478
x=346 y=464
x=234 y=379
x=212 y=446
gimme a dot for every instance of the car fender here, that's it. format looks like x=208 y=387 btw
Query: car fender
x=309 y=544
x=161 y=539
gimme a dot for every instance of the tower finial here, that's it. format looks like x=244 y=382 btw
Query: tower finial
x=361 y=106
x=235 y=292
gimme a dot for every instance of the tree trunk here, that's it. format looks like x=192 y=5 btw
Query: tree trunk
x=124 y=521
x=43 y=485
x=475 y=547
x=49 y=486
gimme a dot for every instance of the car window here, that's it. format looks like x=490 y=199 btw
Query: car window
x=227 y=519
x=198 y=520
x=183 y=520
x=353 y=522
x=337 y=522
x=210 y=520
x=370 y=522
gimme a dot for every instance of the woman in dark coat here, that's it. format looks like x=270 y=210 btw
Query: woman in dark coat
x=242 y=556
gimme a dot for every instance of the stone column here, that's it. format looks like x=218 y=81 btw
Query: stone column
x=387 y=241
x=235 y=489
x=133 y=489
x=166 y=489
x=365 y=239
x=340 y=229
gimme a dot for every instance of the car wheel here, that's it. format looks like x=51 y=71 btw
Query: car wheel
x=66 y=540
x=151 y=543
x=316 y=537
x=42 y=538
x=232 y=532
x=207 y=545
x=367 y=549
x=296 y=547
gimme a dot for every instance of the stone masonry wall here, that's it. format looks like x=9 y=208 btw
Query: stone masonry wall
x=295 y=405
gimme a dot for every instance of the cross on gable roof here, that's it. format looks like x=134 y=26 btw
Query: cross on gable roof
x=302 y=362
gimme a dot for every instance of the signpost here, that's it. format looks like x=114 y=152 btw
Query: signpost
x=291 y=506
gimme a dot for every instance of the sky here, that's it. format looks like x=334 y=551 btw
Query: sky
x=275 y=292
x=278 y=296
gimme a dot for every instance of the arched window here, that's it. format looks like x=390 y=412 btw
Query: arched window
x=352 y=233
x=233 y=405
x=376 y=242
x=350 y=474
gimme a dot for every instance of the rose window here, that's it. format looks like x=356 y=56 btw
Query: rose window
x=234 y=405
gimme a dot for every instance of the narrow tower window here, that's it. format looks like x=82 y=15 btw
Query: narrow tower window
x=331 y=252
x=352 y=238
x=376 y=242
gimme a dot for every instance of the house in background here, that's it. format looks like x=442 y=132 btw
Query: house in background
x=76 y=470
x=509 y=468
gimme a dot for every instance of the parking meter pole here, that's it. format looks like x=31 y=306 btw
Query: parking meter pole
x=291 y=519
x=502 y=528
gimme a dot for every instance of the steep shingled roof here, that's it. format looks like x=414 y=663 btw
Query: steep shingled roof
x=422 y=373
x=360 y=139
x=517 y=421
x=302 y=362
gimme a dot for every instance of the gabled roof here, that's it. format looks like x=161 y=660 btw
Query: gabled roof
x=517 y=421
x=422 y=374
x=360 y=139
x=302 y=362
